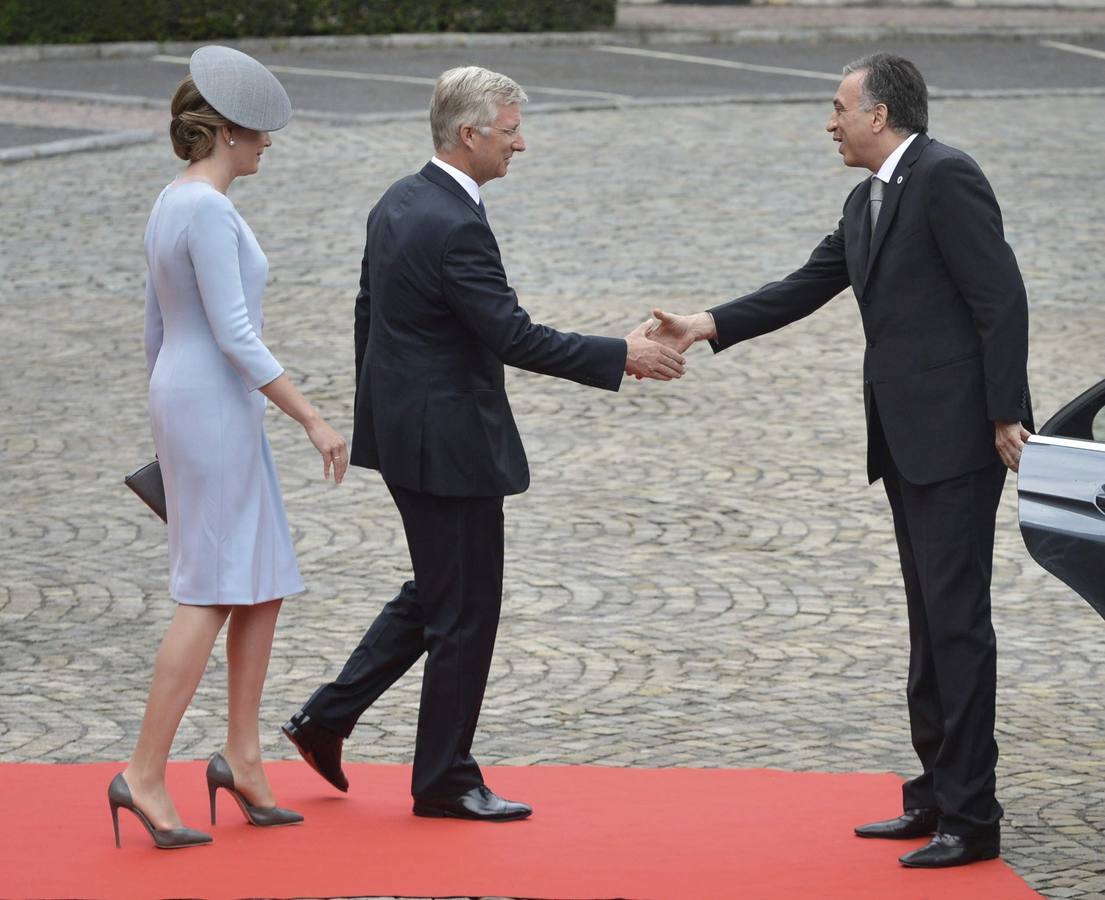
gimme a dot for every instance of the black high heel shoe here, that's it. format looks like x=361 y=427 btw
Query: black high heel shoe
x=118 y=795
x=220 y=776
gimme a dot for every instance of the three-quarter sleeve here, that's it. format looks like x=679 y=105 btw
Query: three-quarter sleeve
x=213 y=235
x=154 y=331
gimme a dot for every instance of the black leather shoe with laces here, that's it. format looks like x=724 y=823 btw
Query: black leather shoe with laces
x=913 y=823
x=319 y=746
x=480 y=803
x=946 y=850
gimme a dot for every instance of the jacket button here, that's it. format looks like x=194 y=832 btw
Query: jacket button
x=870 y=344
x=867 y=382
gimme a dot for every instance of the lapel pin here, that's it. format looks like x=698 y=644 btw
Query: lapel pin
x=899 y=179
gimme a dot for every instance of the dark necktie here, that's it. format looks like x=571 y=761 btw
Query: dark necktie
x=483 y=211
x=877 y=188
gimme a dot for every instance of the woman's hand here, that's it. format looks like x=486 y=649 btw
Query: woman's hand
x=328 y=442
x=331 y=446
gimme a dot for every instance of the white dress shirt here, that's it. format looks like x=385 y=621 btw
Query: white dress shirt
x=888 y=167
x=462 y=178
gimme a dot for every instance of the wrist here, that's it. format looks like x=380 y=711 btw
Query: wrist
x=704 y=327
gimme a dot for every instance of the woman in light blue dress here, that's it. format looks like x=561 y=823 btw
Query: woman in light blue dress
x=230 y=550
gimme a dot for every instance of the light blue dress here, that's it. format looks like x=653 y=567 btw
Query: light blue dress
x=229 y=541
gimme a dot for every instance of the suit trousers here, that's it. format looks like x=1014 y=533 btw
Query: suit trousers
x=450 y=611
x=945 y=536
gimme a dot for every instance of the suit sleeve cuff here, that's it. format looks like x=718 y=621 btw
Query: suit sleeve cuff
x=720 y=341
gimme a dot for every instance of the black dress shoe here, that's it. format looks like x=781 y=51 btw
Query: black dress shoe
x=319 y=746
x=946 y=850
x=913 y=823
x=479 y=803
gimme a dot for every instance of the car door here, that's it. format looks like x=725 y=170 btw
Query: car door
x=1061 y=491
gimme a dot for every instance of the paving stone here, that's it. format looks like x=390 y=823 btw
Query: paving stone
x=699 y=575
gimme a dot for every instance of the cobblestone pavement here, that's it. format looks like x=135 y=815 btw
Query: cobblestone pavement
x=699 y=576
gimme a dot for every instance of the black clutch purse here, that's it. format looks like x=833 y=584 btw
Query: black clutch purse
x=147 y=484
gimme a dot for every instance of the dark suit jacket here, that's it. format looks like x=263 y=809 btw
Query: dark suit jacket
x=435 y=322
x=943 y=306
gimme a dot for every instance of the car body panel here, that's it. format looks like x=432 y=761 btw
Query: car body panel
x=1061 y=488
x=1061 y=491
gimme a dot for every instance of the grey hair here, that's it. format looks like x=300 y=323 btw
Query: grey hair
x=897 y=83
x=469 y=95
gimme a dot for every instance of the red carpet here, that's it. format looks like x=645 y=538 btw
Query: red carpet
x=596 y=833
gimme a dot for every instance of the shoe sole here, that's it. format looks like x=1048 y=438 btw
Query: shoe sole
x=182 y=846
x=983 y=858
x=432 y=813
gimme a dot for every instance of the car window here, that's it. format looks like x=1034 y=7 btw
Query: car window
x=1083 y=418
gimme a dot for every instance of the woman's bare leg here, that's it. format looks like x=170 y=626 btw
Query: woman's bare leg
x=181 y=660
x=248 y=645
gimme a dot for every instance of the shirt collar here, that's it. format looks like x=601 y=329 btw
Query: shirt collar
x=888 y=167
x=462 y=178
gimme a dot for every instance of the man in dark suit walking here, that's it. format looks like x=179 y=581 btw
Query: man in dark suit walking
x=436 y=321
x=946 y=392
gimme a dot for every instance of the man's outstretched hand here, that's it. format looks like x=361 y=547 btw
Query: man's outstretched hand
x=679 y=332
x=647 y=358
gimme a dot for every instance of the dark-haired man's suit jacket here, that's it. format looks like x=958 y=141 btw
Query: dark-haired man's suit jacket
x=946 y=324
x=436 y=321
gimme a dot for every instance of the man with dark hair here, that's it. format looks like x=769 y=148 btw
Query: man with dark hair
x=945 y=317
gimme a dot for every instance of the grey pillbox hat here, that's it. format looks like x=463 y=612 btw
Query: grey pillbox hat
x=240 y=89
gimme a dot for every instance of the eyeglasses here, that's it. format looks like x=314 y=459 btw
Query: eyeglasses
x=509 y=132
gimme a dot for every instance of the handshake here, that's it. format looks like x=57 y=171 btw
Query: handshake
x=655 y=347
